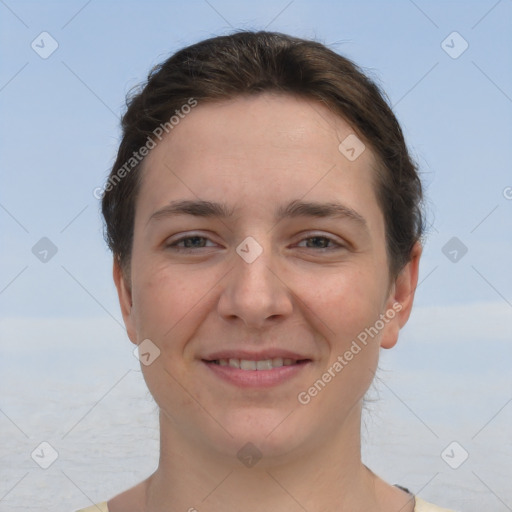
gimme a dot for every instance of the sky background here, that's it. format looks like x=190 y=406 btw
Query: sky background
x=59 y=129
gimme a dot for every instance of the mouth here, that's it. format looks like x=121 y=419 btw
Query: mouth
x=257 y=365
x=252 y=371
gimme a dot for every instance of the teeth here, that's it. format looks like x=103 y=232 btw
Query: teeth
x=277 y=362
x=248 y=365
x=264 y=364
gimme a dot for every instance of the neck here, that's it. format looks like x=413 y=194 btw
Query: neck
x=328 y=474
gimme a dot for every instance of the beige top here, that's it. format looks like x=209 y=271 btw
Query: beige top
x=421 y=506
x=424 y=506
x=99 y=507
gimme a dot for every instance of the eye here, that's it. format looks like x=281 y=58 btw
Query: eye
x=194 y=242
x=321 y=242
x=190 y=243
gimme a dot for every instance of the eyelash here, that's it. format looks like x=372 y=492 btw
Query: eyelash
x=174 y=245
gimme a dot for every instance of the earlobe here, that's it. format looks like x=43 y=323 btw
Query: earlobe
x=124 y=294
x=401 y=298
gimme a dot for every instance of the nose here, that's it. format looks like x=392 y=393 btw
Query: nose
x=256 y=292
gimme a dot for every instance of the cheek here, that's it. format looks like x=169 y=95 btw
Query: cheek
x=159 y=300
x=346 y=301
x=169 y=303
x=349 y=306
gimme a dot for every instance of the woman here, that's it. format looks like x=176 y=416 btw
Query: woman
x=265 y=220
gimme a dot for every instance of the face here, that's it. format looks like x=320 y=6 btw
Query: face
x=259 y=263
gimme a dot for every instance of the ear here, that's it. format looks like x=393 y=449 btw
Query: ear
x=401 y=298
x=125 y=300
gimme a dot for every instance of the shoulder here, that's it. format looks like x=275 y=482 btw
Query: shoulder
x=421 y=506
x=99 y=507
x=424 y=506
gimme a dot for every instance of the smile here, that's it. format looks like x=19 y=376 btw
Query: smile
x=256 y=373
x=263 y=364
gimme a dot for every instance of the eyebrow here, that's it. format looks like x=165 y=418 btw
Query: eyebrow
x=296 y=208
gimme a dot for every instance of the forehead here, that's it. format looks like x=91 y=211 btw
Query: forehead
x=253 y=151
x=269 y=121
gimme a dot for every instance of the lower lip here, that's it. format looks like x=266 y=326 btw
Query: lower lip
x=256 y=378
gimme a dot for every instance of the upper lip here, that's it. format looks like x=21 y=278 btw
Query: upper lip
x=254 y=356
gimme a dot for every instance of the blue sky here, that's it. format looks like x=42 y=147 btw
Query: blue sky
x=59 y=130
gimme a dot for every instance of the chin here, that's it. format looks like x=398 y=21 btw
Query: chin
x=271 y=434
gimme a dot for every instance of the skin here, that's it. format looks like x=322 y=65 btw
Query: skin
x=303 y=294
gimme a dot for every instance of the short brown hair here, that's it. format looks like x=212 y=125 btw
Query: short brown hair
x=249 y=63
